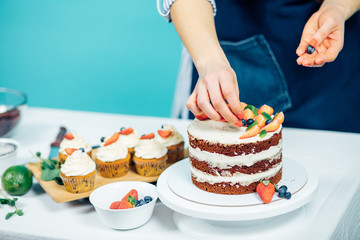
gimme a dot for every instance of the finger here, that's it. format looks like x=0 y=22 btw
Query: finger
x=203 y=101
x=192 y=105
x=328 y=56
x=304 y=43
x=228 y=87
x=325 y=29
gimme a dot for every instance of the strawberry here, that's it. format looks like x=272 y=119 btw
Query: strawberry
x=148 y=136
x=70 y=151
x=201 y=116
x=265 y=108
x=164 y=133
x=126 y=131
x=69 y=136
x=240 y=115
x=239 y=124
x=248 y=114
x=132 y=193
x=222 y=119
x=272 y=127
x=115 y=205
x=265 y=190
x=255 y=130
x=112 y=139
x=279 y=117
x=125 y=204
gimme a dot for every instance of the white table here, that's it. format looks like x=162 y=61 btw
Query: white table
x=333 y=214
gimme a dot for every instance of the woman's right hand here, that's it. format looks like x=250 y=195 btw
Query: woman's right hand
x=216 y=94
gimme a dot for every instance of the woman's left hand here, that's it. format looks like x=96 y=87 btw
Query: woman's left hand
x=325 y=32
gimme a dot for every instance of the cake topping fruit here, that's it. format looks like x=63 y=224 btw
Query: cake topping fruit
x=260 y=120
x=248 y=114
x=265 y=108
x=239 y=123
x=112 y=139
x=243 y=122
x=253 y=131
x=272 y=127
x=126 y=131
x=240 y=115
x=268 y=121
x=70 y=151
x=280 y=117
x=265 y=190
x=243 y=105
x=250 y=121
x=69 y=136
x=102 y=139
x=202 y=116
x=148 y=136
x=82 y=149
x=164 y=133
x=253 y=109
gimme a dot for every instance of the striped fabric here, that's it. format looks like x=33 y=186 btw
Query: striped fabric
x=165 y=9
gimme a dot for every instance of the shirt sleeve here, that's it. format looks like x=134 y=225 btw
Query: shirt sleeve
x=166 y=5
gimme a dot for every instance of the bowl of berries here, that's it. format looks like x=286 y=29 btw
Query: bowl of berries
x=124 y=205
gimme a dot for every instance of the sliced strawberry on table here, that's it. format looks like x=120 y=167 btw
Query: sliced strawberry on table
x=272 y=127
x=201 y=116
x=265 y=190
x=70 y=151
x=69 y=136
x=112 y=139
x=261 y=120
x=115 y=205
x=164 y=133
x=252 y=132
x=265 y=108
x=126 y=131
x=148 y=136
x=280 y=117
x=248 y=114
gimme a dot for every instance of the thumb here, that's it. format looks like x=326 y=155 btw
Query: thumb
x=325 y=29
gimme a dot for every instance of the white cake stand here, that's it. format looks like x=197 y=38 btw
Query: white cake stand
x=199 y=213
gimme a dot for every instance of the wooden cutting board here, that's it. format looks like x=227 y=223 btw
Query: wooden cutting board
x=60 y=195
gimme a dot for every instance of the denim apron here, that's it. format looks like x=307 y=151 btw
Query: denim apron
x=260 y=37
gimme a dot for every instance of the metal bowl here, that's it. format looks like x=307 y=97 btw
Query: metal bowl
x=11 y=104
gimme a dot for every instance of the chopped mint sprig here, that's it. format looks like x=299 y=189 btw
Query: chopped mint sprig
x=253 y=124
x=12 y=203
x=263 y=133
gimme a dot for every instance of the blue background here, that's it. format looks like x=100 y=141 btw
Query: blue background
x=96 y=55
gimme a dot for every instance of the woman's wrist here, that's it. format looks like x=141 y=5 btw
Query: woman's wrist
x=346 y=7
x=210 y=59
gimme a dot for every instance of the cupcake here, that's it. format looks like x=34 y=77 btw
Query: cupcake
x=129 y=138
x=112 y=158
x=150 y=156
x=72 y=141
x=78 y=172
x=173 y=141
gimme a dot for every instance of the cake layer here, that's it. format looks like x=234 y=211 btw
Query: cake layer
x=233 y=189
x=235 y=149
x=258 y=167
x=223 y=161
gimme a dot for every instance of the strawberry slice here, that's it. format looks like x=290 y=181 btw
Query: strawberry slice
x=239 y=124
x=265 y=190
x=164 y=133
x=115 y=205
x=132 y=193
x=280 y=117
x=112 y=139
x=265 y=108
x=126 y=131
x=248 y=114
x=272 y=127
x=125 y=204
x=201 y=116
x=148 y=136
x=240 y=115
x=255 y=130
x=69 y=136
x=261 y=120
x=222 y=119
x=70 y=151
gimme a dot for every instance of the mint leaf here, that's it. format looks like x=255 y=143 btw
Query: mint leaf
x=9 y=215
x=263 y=133
x=50 y=174
x=19 y=212
x=253 y=109
x=249 y=127
x=267 y=116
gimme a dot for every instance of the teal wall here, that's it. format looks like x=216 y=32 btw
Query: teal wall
x=117 y=56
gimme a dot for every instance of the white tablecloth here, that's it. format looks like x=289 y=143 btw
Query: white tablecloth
x=332 y=214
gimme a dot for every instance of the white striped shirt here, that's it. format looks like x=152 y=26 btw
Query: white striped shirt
x=183 y=83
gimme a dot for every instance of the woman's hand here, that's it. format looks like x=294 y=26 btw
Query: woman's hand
x=325 y=32
x=216 y=94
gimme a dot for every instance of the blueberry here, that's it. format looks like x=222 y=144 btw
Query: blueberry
x=122 y=128
x=102 y=139
x=288 y=195
x=140 y=203
x=268 y=121
x=162 y=126
x=82 y=149
x=250 y=121
x=147 y=199
x=283 y=188
x=243 y=122
x=310 y=49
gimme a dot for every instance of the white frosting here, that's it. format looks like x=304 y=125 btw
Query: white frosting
x=150 y=148
x=130 y=140
x=78 y=164
x=223 y=132
x=238 y=178
x=174 y=139
x=76 y=142
x=112 y=152
x=223 y=162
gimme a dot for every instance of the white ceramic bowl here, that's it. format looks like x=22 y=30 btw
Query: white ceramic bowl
x=102 y=197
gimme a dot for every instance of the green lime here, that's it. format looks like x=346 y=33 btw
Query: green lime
x=17 y=180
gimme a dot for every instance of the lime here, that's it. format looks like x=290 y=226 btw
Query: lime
x=17 y=180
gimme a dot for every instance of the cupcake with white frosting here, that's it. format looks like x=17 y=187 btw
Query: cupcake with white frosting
x=72 y=140
x=173 y=141
x=150 y=156
x=112 y=158
x=78 y=172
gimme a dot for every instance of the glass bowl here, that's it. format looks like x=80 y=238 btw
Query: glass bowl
x=11 y=104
